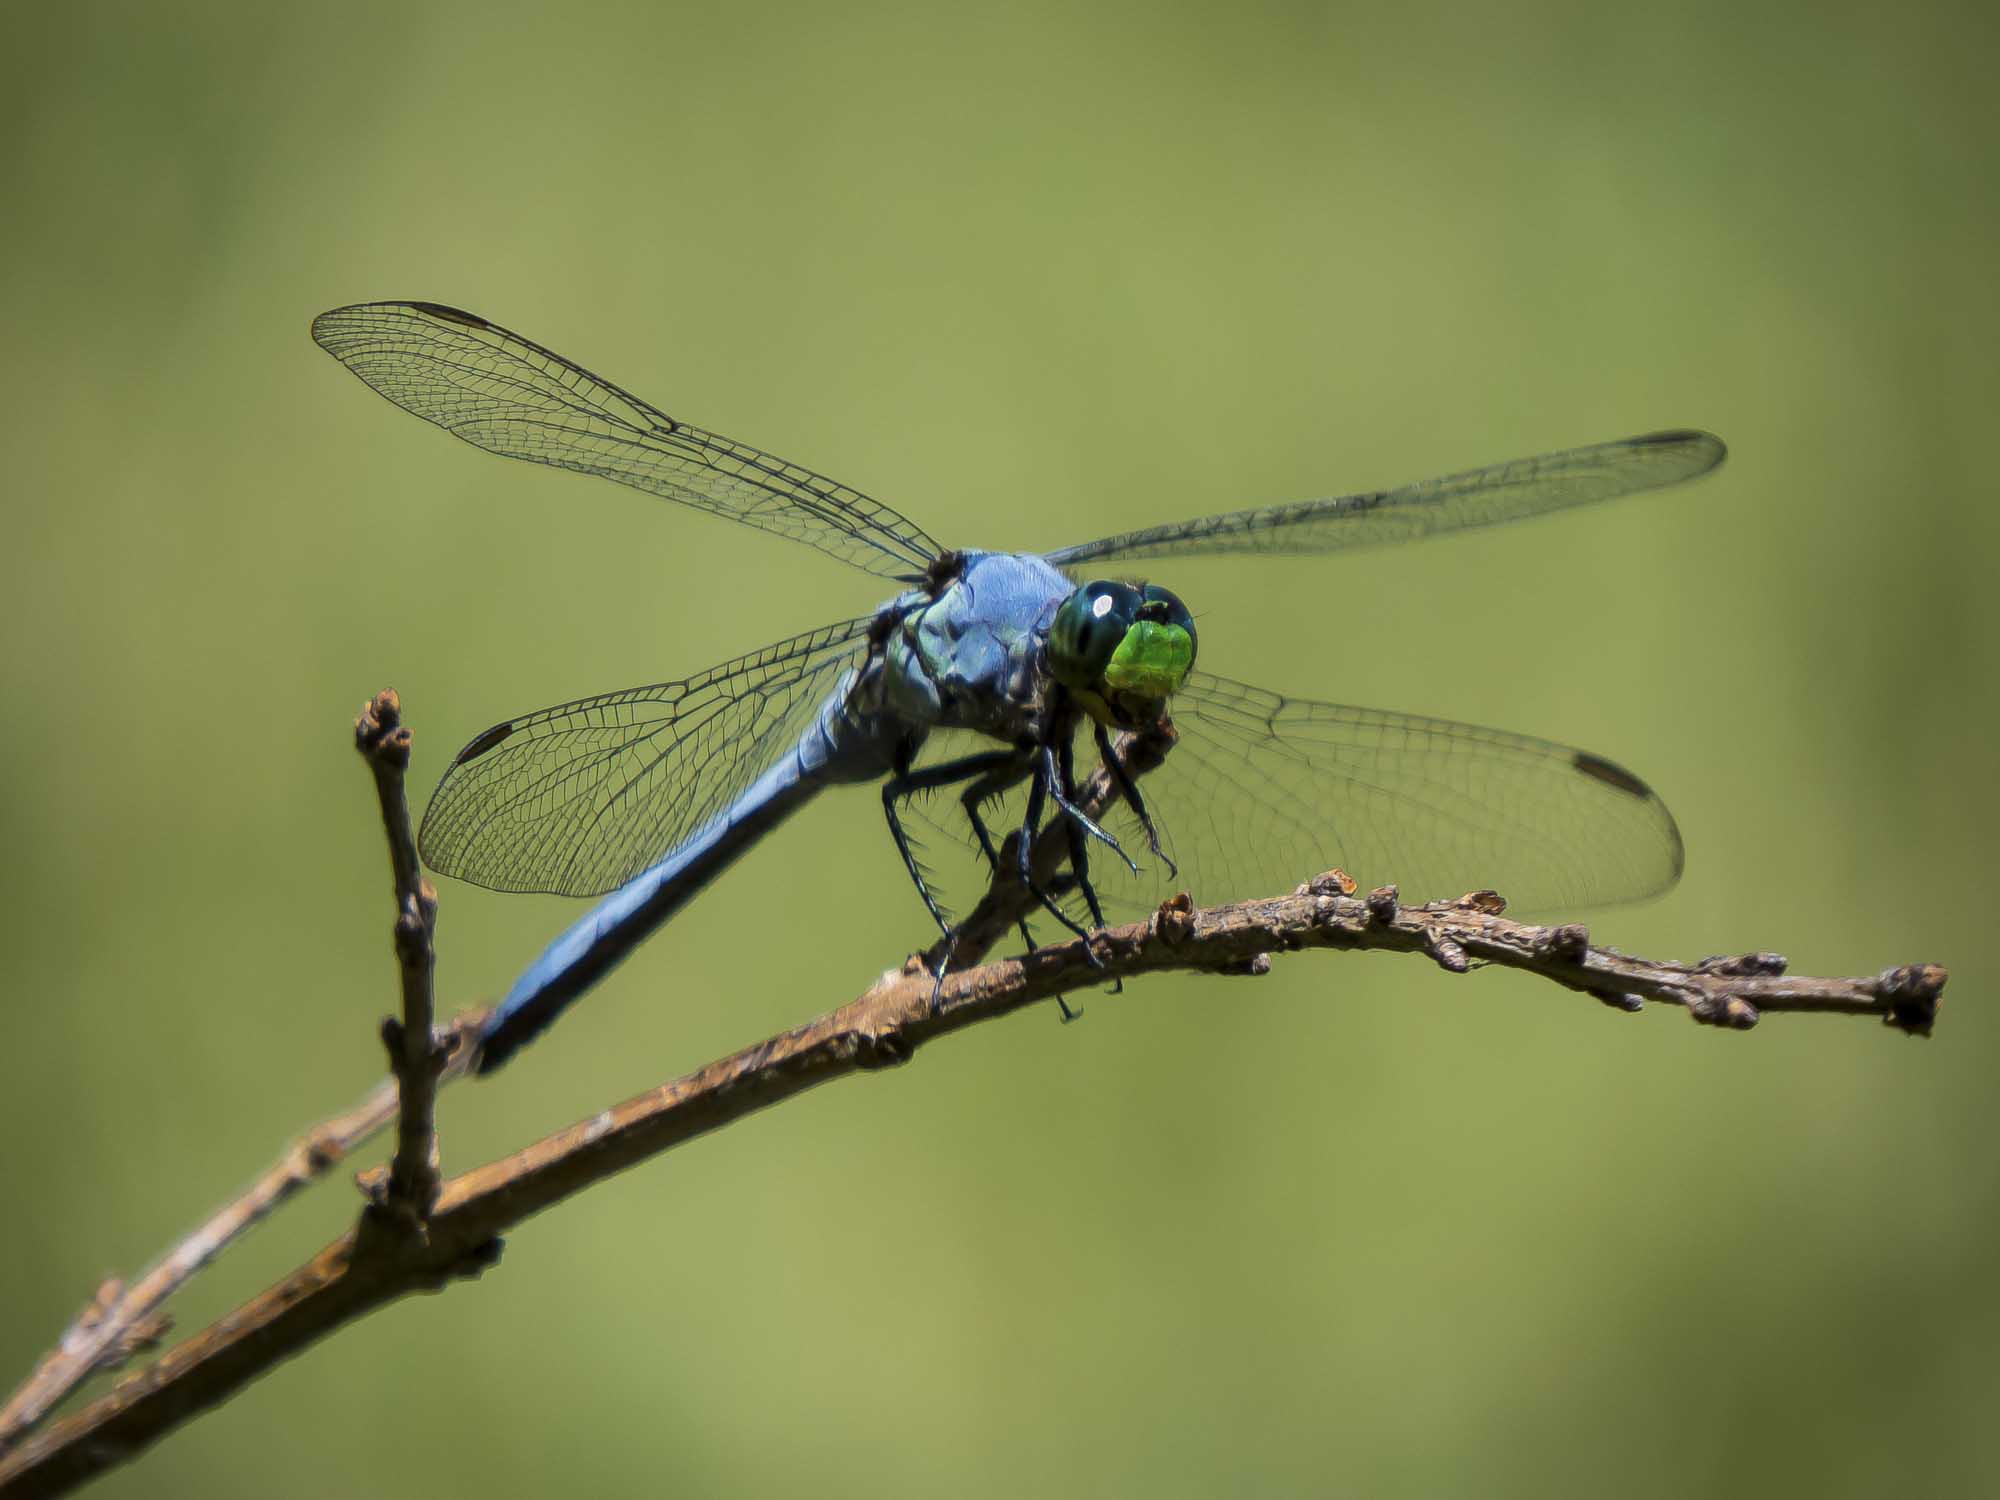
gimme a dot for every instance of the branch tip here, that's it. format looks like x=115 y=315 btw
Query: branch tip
x=379 y=732
x=1914 y=992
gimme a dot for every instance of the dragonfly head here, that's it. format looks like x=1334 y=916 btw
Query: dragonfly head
x=1122 y=650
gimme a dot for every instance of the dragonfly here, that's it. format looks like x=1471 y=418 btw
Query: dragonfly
x=986 y=674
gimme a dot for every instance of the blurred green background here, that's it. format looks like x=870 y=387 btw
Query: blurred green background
x=1030 y=274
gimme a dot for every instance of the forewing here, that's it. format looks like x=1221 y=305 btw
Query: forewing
x=1482 y=497
x=511 y=396
x=577 y=799
x=1262 y=792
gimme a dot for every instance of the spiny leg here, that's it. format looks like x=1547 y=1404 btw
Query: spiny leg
x=1061 y=767
x=1129 y=790
x=992 y=785
x=1031 y=824
x=1061 y=771
x=1059 y=888
x=990 y=773
x=906 y=783
x=1061 y=787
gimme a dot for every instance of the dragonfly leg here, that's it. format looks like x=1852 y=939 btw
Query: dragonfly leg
x=1069 y=1012
x=937 y=980
x=1129 y=790
x=1038 y=790
x=905 y=783
x=1062 y=773
x=989 y=773
x=991 y=785
x=1063 y=784
x=1064 y=793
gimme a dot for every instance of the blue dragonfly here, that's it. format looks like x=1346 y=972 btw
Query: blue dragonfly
x=986 y=673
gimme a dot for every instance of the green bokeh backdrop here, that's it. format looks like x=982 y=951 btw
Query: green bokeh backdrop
x=1028 y=273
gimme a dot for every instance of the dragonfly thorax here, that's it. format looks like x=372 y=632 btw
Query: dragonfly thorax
x=972 y=656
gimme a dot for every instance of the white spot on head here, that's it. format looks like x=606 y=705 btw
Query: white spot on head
x=1100 y=606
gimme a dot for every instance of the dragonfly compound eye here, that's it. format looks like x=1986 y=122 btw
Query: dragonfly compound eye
x=1165 y=606
x=1089 y=627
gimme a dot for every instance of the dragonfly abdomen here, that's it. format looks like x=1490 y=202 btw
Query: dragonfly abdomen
x=838 y=747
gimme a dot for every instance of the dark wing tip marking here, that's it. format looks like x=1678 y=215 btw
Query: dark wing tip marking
x=482 y=742
x=325 y=322
x=1686 y=437
x=1612 y=775
x=450 y=314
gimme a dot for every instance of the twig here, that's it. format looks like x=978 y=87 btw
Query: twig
x=394 y=1250
x=882 y=1027
x=415 y=1056
x=122 y=1319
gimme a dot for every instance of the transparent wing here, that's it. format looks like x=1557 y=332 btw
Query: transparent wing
x=1262 y=792
x=1483 y=497
x=577 y=799
x=511 y=396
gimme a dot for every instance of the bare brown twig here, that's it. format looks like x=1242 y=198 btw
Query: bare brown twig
x=415 y=1056
x=885 y=1026
x=121 y=1319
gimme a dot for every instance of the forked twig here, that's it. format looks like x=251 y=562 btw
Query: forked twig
x=120 y=1319
x=884 y=1026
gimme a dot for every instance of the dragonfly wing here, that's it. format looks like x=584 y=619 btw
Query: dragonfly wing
x=1263 y=791
x=510 y=396
x=1482 y=497
x=576 y=800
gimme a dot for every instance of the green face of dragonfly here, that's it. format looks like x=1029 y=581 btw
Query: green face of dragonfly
x=1121 y=650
